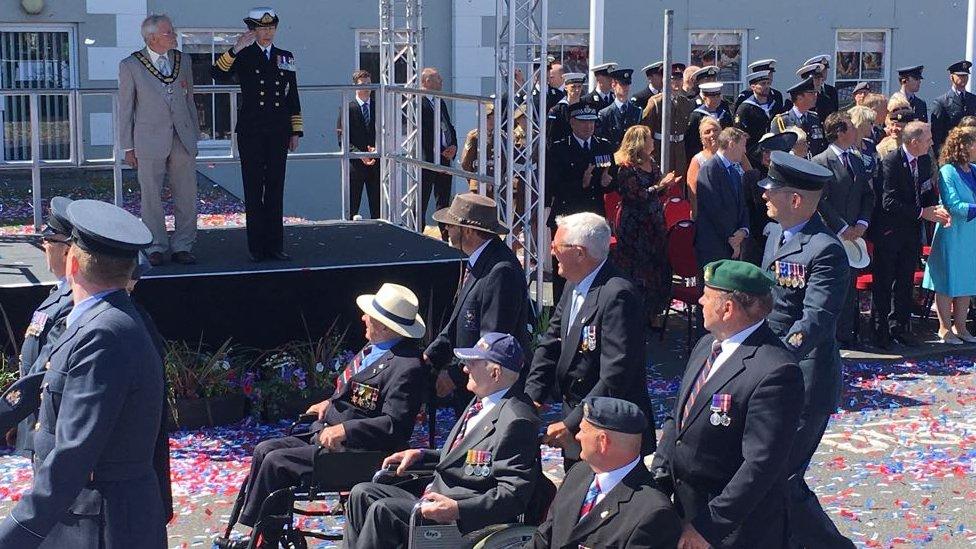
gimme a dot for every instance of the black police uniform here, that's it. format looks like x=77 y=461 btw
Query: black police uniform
x=568 y=161
x=558 y=122
x=269 y=114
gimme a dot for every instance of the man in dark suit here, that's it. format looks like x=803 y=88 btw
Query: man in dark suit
x=949 y=108
x=908 y=197
x=615 y=118
x=775 y=96
x=267 y=129
x=373 y=408
x=101 y=403
x=847 y=202
x=655 y=84
x=486 y=471
x=362 y=138
x=609 y=500
x=910 y=80
x=722 y=219
x=439 y=183
x=44 y=328
x=812 y=276
x=492 y=295
x=728 y=468
x=595 y=342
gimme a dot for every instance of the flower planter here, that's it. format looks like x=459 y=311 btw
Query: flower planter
x=292 y=404
x=207 y=412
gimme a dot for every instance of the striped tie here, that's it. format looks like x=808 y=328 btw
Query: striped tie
x=702 y=378
x=472 y=411
x=590 y=500
x=354 y=367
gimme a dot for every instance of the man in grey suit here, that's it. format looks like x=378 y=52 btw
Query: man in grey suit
x=158 y=132
x=722 y=219
x=812 y=276
x=487 y=470
x=847 y=201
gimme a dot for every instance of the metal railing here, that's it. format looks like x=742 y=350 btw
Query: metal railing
x=385 y=95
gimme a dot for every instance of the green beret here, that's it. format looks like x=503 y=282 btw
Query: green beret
x=739 y=276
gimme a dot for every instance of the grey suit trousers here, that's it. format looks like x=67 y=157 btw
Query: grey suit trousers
x=378 y=515
x=180 y=166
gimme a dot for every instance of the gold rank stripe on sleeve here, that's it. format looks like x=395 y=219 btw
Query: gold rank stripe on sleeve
x=296 y=123
x=225 y=61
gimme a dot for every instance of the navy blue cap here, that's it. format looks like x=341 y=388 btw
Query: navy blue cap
x=20 y=400
x=913 y=71
x=583 y=111
x=100 y=227
x=614 y=414
x=57 y=219
x=905 y=115
x=778 y=141
x=143 y=266
x=621 y=75
x=501 y=349
x=787 y=170
x=960 y=67
x=804 y=86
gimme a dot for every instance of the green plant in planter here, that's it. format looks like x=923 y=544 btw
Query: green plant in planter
x=194 y=372
x=8 y=372
x=539 y=328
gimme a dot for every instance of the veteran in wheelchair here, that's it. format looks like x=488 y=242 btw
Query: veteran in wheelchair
x=371 y=413
x=488 y=472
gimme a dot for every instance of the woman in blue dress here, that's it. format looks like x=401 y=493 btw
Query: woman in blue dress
x=951 y=268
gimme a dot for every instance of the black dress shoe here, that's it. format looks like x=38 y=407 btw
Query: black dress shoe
x=240 y=543
x=280 y=256
x=156 y=259
x=184 y=258
x=906 y=340
x=255 y=258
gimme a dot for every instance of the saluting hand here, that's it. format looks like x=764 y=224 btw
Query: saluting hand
x=244 y=41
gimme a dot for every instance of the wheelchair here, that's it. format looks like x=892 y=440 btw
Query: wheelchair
x=366 y=466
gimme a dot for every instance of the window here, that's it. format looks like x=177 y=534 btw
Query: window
x=36 y=58
x=726 y=50
x=571 y=49
x=862 y=56
x=213 y=109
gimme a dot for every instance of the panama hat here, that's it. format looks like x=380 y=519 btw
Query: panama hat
x=857 y=253
x=396 y=307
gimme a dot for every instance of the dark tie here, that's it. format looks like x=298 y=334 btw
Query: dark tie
x=366 y=113
x=914 y=165
x=734 y=177
x=586 y=146
x=354 y=367
x=590 y=500
x=701 y=379
x=472 y=411
x=846 y=159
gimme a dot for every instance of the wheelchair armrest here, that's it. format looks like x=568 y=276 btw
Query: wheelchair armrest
x=417 y=471
x=301 y=420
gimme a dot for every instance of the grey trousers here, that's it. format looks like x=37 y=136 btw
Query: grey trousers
x=378 y=516
x=181 y=169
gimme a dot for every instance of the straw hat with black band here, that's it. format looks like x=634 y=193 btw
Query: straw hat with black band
x=473 y=211
x=395 y=306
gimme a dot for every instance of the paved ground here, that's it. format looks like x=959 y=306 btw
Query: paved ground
x=894 y=470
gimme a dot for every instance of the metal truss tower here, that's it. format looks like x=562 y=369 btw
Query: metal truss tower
x=521 y=82
x=401 y=46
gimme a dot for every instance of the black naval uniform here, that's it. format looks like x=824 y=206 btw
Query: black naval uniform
x=597 y=100
x=269 y=114
x=553 y=96
x=693 y=143
x=827 y=101
x=776 y=97
x=947 y=110
x=809 y=123
x=754 y=119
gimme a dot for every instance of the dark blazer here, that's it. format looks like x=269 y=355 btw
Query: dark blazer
x=38 y=341
x=848 y=197
x=598 y=101
x=97 y=430
x=722 y=210
x=510 y=436
x=269 y=90
x=564 y=371
x=361 y=135
x=557 y=123
x=947 y=111
x=613 y=124
x=565 y=167
x=921 y=110
x=805 y=319
x=385 y=424
x=449 y=134
x=494 y=299
x=730 y=481
x=897 y=222
x=633 y=514
x=553 y=95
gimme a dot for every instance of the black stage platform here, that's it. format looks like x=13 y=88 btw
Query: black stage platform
x=261 y=304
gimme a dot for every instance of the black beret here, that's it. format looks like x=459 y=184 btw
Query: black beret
x=20 y=400
x=787 y=170
x=614 y=414
x=902 y=115
x=100 y=227
x=57 y=220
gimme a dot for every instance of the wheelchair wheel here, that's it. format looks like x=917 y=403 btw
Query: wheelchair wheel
x=512 y=536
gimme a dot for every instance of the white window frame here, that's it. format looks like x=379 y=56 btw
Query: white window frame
x=208 y=144
x=72 y=31
x=886 y=76
x=743 y=51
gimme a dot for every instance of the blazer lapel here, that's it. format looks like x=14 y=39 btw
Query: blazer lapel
x=695 y=364
x=564 y=524
x=585 y=314
x=374 y=369
x=772 y=241
x=726 y=371
x=472 y=437
x=610 y=505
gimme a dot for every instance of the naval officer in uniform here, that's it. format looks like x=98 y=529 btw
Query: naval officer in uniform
x=269 y=123
x=950 y=108
x=655 y=84
x=910 y=79
x=812 y=276
x=774 y=95
x=101 y=404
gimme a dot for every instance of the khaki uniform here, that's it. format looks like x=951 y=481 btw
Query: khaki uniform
x=681 y=110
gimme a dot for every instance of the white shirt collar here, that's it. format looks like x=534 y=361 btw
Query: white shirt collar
x=473 y=258
x=361 y=102
x=584 y=285
x=264 y=50
x=837 y=150
x=581 y=142
x=618 y=103
x=789 y=233
x=730 y=345
x=488 y=404
x=796 y=112
x=908 y=154
x=653 y=90
x=954 y=90
x=154 y=57
x=611 y=479
x=725 y=161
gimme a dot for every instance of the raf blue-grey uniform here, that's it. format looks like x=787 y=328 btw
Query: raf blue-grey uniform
x=812 y=275
x=950 y=108
x=613 y=120
x=101 y=403
x=45 y=326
